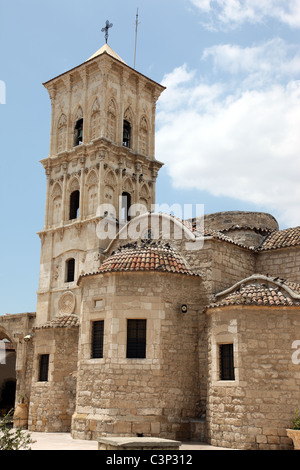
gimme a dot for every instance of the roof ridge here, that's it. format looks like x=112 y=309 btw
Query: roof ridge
x=259 y=289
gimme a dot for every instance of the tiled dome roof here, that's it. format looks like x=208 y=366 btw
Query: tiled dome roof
x=149 y=256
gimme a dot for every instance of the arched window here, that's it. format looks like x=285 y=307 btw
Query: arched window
x=126 y=203
x=70 y=270
x=78 y=132
x=126 y=133
x=74 y=205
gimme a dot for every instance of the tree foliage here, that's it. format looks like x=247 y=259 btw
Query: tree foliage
x=13 y=438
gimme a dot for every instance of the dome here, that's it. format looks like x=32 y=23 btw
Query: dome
x=145 y=257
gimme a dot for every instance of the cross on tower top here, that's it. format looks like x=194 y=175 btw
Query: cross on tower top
x=106 y=28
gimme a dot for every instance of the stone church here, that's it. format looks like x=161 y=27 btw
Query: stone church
x=146 y=324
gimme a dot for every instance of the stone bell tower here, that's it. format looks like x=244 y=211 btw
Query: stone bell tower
x=101 y=161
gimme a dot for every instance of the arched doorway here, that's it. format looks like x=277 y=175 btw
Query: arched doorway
x=7 y=374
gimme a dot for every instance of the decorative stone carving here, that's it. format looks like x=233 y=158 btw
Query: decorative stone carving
x=128 y=115
x=79 y=114
x=111 y=121
x=110 y=179
x=66 y=303
x=95 y=120
x=62 y=133
x=143 y=135
x=92 y=178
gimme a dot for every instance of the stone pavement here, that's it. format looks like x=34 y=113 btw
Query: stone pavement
x=64 y=441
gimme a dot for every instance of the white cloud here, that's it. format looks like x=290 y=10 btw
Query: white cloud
x=273 y=59
x=241 y=142
x=232 y=13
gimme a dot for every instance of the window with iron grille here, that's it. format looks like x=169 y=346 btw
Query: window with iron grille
x=43 y=367
x=226 y=362
x=136 y=339
x=97 y=339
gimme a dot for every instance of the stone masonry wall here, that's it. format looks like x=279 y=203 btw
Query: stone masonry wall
x=155 y=396
x=52 y=402
x=284 y=263
x=220 y=264
x=254 y=410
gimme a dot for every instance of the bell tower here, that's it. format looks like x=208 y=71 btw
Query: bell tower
x=101 y=161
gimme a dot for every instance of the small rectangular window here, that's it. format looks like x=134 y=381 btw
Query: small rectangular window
x=126 y=133
x=226 y=362
x=74 y=205
x=43 y=367
x=136 y=339
x=70 y=270
x=97 y=339
x=78 y=132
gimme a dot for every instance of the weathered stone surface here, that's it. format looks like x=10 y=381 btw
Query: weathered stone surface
x=139 y=443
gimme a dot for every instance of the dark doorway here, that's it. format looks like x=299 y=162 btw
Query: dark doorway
x=7 y=376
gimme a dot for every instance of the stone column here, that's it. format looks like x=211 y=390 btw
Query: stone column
x=64 y=202
x=86 y=116
x=70 y=130
x=82 y=188
x=48 y=173
x=52 y=94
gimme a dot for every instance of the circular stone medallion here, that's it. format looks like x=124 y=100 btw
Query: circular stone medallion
x=66 y=303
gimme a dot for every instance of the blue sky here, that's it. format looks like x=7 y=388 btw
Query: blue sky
x=227 y=125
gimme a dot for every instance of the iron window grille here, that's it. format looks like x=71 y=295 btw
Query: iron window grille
x=136 y=339
x=44 y=368
x=226 y=362
x=97 y=339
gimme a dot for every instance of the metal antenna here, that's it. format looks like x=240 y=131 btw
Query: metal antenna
x=136 y=29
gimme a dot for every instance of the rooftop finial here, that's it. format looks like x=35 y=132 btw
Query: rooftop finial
x=107 y=26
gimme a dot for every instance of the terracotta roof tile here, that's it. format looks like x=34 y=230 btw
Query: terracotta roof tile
x=281 y=239
x=260 y=291
x=149 y=256
x=61 y=321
